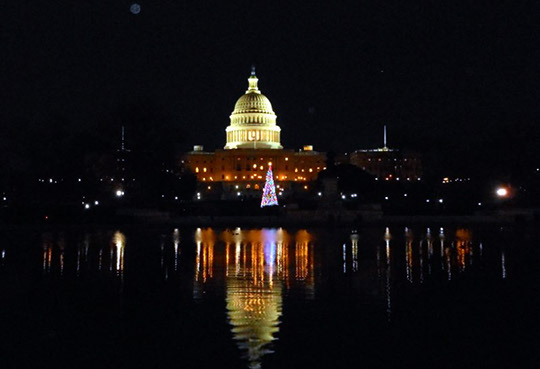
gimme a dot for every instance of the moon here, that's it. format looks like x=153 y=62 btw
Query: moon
x=135 y=8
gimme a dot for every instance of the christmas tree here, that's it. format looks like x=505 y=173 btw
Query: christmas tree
x=269 y=192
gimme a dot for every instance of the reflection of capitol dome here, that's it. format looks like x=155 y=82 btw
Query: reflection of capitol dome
x=254 y=311
x=253 y=122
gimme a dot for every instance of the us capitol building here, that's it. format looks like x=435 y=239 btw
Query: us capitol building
x=253 y=141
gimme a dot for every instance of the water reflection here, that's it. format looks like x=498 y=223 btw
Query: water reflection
x=254 y=271
x=388 y=287
x=258 y=266
x=119 y=242
x=254 y=301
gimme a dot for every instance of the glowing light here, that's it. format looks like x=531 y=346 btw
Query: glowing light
x=441 y=201
x=502 y=192
x=87 y=206
x=96 y=202
x=119 y=193
x=269 y=192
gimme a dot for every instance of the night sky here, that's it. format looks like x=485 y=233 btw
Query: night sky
x=457 y=81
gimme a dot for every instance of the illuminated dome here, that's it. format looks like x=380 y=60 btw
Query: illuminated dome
x=253 y=102
x=253 y=121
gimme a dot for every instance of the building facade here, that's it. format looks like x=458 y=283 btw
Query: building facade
x=388 y=164
x=253 y=140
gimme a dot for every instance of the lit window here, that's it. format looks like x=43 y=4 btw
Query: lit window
x=196 y=169
x=286 y=159
x=310 y=170
x=204 y=170
x=254 y=166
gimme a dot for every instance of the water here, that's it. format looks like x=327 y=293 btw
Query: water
x=269 y=298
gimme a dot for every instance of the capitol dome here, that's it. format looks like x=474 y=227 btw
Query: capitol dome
x=253 y=101
x=253 y=121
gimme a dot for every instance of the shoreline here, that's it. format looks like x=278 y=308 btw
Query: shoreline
x=317 y=220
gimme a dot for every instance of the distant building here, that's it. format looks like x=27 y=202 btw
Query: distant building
x=388 y=164
x=253 y=139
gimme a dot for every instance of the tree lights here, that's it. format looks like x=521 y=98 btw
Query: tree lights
x=269 y=192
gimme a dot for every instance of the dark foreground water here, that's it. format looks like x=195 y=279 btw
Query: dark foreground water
x=270 y=298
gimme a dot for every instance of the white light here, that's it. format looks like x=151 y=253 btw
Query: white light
x=320 y=194
x=343 y=196
x=386 y=197
x=119 y=193
x=176 y=197
x=50 y=180
x=87 y=206
x=79 y=179
x=5 y=198
x=441 y=201
x=96 y=202
x=502 y=192
x=404 y=195
x=427 y=200
x=238 y=194
x=479 y=204
x=236 y=186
